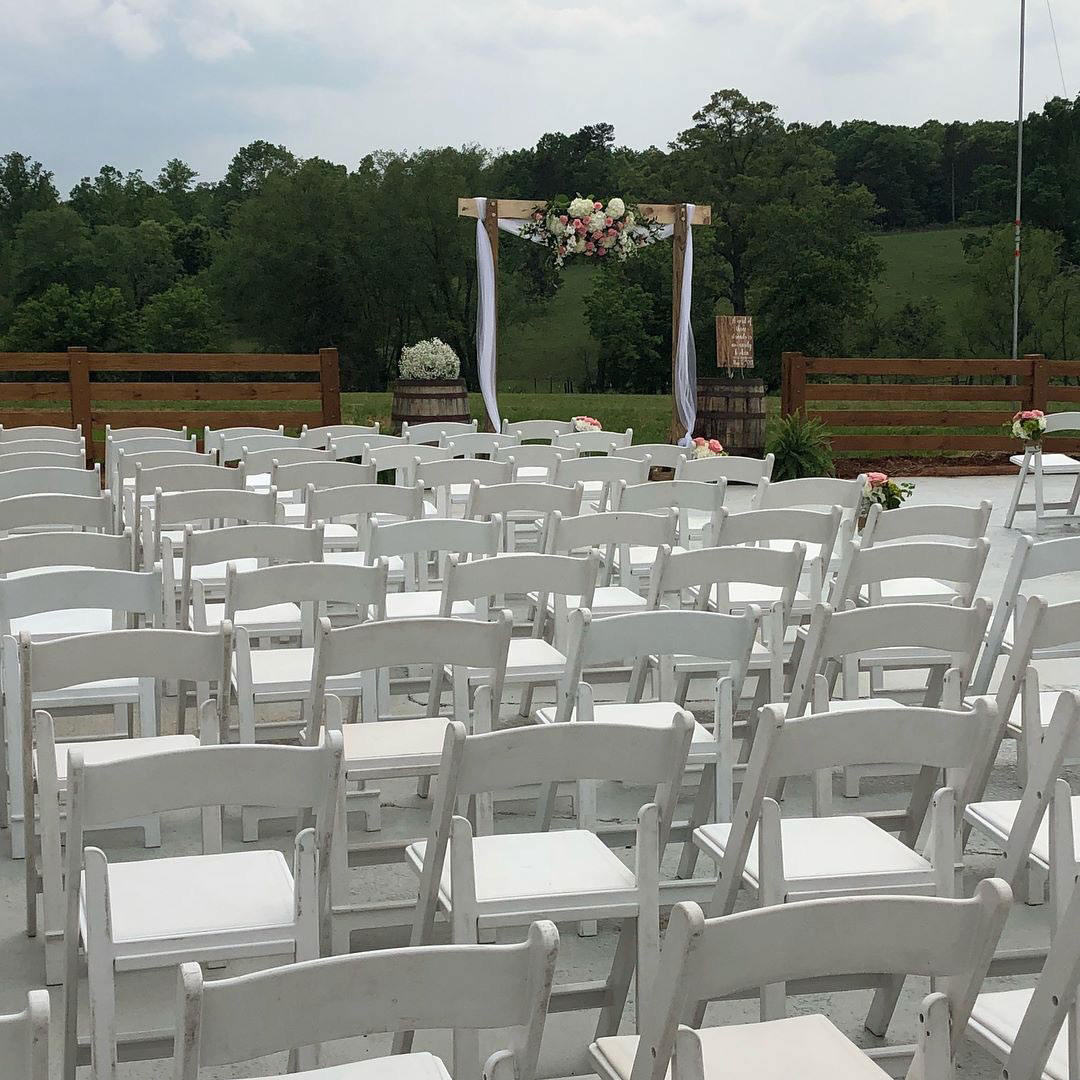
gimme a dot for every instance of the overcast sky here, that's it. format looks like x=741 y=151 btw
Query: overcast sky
x=134 y=82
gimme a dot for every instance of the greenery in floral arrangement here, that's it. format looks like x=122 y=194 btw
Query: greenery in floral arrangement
x=588 y=226
x=801 y=448
x=1028 y=425
x=431 y=359
x=886 y=492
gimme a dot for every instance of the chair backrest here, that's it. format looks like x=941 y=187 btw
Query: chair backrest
x=537 y=430
x=732 y=467
x=48 y=446
x=321 y=436
x=361 y=502
x=203 y=509
x=31 y=551
x=596 y=442
x=438 y=431
x=126 y=463
x=660 y=455
x=51 y=480
x=321 y=474
x=606 y=470
x=214 y=437
x=185 y=477
x=403 y=459
x=123 y=592
x=705 y=959
x=1063 y=421
x=232 y=447
x=835 y=636
x=24 y=1038
x=262 y=461
x=419 y=540
x=88 y=512
x=535 y=456
x=37 y=459
x=760 y=526
x=41 y=431
x=144 y=432
x=824 y=491
x=521 y=572
x=607 y=531
x=479 y=442
x=225 y=1021
x=144 y=444
x=682 y=495
x=538 y=498
x=942 y=520
x=960 y=565
x=354 y=446
x=441 y=476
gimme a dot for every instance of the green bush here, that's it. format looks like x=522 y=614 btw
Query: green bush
x=801 y=447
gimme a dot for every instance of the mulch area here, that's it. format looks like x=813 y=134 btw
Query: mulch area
x=953 y=465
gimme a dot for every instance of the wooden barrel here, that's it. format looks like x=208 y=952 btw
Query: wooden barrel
x=733 y=411
x=424 y=401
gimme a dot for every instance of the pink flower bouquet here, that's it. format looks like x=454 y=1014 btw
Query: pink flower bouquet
x=707 y=448
x=1029 y=425
x=887 y=493
x=586 y=423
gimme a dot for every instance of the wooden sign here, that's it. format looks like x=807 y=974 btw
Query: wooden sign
x=734 y=341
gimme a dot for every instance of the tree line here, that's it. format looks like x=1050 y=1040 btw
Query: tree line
x=284 y=253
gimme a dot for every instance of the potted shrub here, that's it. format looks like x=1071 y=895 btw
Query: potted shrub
x=429 y=386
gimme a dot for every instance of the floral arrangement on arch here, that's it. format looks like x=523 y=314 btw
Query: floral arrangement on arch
x=887 y=493
x=430 y=359
x=1029 y=425
x=707 y=448
x=586 y=423
x=588 y=226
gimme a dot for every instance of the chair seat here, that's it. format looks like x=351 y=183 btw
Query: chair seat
x=420 y=1066
x=273 y=618
x=807 y=1047
x=746 y=592
x=558 y=871
x=532 y=473
x=607 y=600
x=394 y=744
x=121 y=691
x=854 y=704
x=995 y=1019
x=997 y=818
x=395 y=564
x=54 y=624
x=119 y=749
x=211 y=573
x=849 y=853
x=1051 y=463
x=642 y=556
x=1048 y=700
x=813 y=551
x=199 y=899
x=280 y=671
x=760 y=656
x=924 y=590
x=646 y=714
x=528 y=660
x=424 y=604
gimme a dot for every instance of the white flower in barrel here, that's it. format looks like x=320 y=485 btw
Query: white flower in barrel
x=586 y=423
x=430 y=359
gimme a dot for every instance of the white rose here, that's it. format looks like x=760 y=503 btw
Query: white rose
x=555 y=226
x=580 y=208
x=597 y=223
x=616 y=208
x=630 y=219
x=579 y=245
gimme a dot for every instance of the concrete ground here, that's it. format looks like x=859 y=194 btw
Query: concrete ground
x=147 y=999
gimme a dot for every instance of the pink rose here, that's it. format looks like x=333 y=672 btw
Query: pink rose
x=601 y=251
x=598 y=206
x=589 y=245
x=1031 y=414
x=699 y=441
x=877 y=479
x=715 y=446
x=563 y=219
x=612 y=232
x=538 y=216
x=609 y=220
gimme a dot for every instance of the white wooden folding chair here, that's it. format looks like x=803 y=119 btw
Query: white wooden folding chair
x=534 y=462
x=30 y=553
x=321 y=436
x=127 y=465
x=231 y=448
x=212 y=906
x=291 y=482
x=426 y=544
x=533 y=661
x=214 y=437
x=437 y=431
x=403 y=459
x=1031 y=562
x=660 y=455
x=164 y=439
x=733 y=468
x=733 y=579
x=700 y=507
x=356 y=446
x=350 y=663
x=37 y=513
x=926 y=521
x=40 y=459
x=449 y=482
x=523 y=504
x=61 y=604
x=1034 y=463
x=599 y=476
x=356 y=507
x=477 y=443
x=620 y=590
x=67 y=447
x=41 y=431
x=537 y=430
x=174 y=451
x=50 y=481
x=779 y=860
x=481 y=880
x=224 y=1021
x=53 y=675
x=705 y=959
x=595 y=442
x=260 y=463
x=24 y=1039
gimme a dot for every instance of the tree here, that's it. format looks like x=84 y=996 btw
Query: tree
x=25 y=185
x=111 y=198
x=249 y=170
x=98 y=318
x=623 y=317
x=139 y=261
x=176 y=181
x=50 y=247
x=180 y=319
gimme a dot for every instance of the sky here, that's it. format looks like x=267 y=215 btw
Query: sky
x=134 y=82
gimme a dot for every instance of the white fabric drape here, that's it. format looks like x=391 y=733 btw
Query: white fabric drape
x=485 y=317
x=685 y=388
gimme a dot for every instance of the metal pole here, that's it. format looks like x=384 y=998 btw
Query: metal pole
x=1019 y=187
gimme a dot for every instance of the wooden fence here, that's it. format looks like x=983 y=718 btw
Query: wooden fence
x=965 y=404
x=168 y=390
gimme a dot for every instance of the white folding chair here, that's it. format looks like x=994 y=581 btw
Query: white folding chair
x=700 y=506
x=524 y=504
x=24 y=1039
x=537 y=430
x=41 y=431
x=451 y=481
x=67 y=447
x=54 y=675
x=1034 y=463
x=356 y=446
x=224 y=1021
x=534 y=462
x=600 y=475
x=937 y=521
x=595 y=442
x=844 y=937
x=50 y=481
x=214 y=437
x=322 y=436
x=260 y=463
x=477 y=443
x=437 y=431
x=403 y=459
x=231 y=448
x=733 y=468
x=37 y=513
x=355 y=508
x=28 y=553
x=481 y=880
x=40 y=459
x=213 y=906
x=660 y=455
x=127 y=463
x=291 y=482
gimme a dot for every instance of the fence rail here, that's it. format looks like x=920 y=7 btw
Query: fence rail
x=90 y=393
x=965 y=403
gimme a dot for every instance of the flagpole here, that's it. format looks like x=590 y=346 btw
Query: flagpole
x=1019 y=186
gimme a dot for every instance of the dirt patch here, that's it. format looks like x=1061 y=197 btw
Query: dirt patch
x=954 y=465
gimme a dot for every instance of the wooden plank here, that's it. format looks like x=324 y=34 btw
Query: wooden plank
x=205 y=391
x=925 y=418
x=999 y=443
x=330 y=386
x=521 y=209
x=1067 y=394
x=204 y=362
x=199 y=418
x=30 y=417
x=79 y=383
x=913 y=392
x=830 y=365
x=33 y=361
x=46 y=392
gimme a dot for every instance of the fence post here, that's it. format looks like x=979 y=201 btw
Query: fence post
x=1040 y=381
x=79 y=389
x=793 y=383
x=330 y=385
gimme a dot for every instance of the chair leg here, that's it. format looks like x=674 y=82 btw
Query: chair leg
x=1018 y=489
x=466 y=1041
x=101 y=978
x=699 y=815
x=618 y=983
x=1040 y=510
x=884 y=1005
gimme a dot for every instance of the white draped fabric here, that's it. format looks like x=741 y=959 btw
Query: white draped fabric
x=685 y=388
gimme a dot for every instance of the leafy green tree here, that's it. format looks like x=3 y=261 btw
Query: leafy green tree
x=137 y=260
x=180 y=319
x=99 y=318
x=176 y=182
x=51 y=247
x=192 y=244
x=25 y=185
x=917 y=329
x=113 y=198
x=622 y=316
